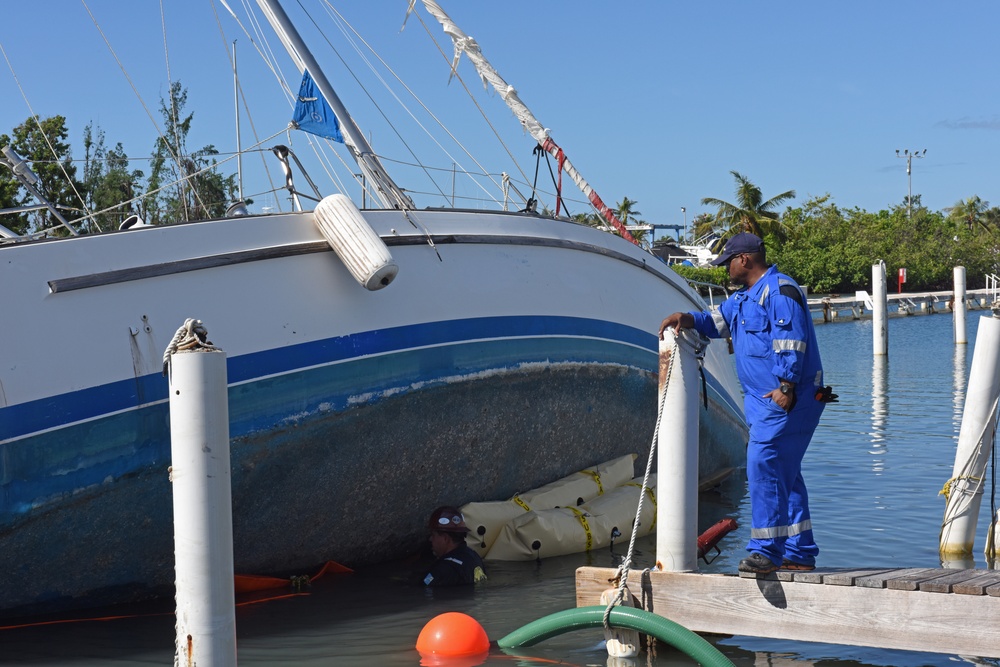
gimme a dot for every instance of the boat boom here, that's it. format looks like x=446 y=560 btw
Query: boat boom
x=465 y=44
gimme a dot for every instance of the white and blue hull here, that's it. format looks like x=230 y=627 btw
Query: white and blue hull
x=520 y=350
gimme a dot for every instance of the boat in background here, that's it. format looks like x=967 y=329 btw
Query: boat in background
x=704 y=249
x=510 y=350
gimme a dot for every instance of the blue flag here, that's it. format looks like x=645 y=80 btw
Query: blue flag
x=312 y=114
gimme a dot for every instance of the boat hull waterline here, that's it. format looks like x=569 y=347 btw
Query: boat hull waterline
x=516 y=350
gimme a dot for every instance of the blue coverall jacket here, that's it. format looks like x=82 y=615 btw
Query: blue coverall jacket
x=774 y=340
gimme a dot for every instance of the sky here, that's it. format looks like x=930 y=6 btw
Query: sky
x=657 y=101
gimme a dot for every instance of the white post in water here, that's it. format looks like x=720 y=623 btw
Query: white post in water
x=202 y=492
x=880 y=308
x=958 y=530
x=959 y=306
x=677 y=455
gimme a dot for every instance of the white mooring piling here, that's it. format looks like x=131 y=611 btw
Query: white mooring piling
x=202 y=495
x=677 y=454
x=880 y=308
x=959 y=307
x=964 y=491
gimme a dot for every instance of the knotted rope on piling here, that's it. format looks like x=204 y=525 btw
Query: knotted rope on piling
x=192 y=336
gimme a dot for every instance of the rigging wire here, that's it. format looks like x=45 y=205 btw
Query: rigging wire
x=361 y=85
x=140 y=197
x=471 y=96
x=145 y=107
x=409 y=90
x=48 y=143
x=341 y=22
x=246 y=107
x=559 y=197
x=271 y=61
x=173 y=114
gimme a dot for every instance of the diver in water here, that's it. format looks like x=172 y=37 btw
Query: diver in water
x=456 y=563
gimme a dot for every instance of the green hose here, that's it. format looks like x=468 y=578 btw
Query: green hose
x=621 y=617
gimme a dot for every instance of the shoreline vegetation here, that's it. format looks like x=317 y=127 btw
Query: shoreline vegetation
x=823 y=246
x=832 y=250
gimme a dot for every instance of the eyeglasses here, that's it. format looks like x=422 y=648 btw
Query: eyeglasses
x=444 y=521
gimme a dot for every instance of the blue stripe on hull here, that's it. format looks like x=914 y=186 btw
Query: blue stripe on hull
x=353 y=486
x=84 y=455
x=53 y=412
x=361 y=428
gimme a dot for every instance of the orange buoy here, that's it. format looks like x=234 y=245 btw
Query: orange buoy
x=452 y=635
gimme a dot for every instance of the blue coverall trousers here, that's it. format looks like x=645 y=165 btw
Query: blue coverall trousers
x=779 y=504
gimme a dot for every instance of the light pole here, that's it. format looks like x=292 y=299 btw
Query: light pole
x=909 y=187
x=684 y=212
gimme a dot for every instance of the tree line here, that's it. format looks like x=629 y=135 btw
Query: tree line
x=832 y=249
x=181 y=184
x=823 y=246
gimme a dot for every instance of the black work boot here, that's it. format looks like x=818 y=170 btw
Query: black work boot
x=757 y=563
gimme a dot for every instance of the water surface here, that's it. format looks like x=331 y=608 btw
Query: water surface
x=874 y=470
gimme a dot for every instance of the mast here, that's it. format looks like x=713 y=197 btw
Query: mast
x=465 y=44
x=239 y=147
x=392 y=195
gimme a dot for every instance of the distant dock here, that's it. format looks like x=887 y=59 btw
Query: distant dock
x=913 y=609
x=857 y=307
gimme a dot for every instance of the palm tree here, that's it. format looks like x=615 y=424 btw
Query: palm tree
x=972 y=211
x=750 y=213
x=625 y=212
x=628 y=214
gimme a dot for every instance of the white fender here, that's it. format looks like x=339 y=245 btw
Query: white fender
x=360 y=249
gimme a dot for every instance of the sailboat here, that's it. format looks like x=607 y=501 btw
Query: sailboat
x=458 y=355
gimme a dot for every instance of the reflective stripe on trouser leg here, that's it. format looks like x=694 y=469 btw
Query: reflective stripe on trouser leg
x=773 y=472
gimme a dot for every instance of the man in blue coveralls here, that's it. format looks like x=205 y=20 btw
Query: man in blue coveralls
x=777 y=360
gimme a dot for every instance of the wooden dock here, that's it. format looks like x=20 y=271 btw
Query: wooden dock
x=913 y=609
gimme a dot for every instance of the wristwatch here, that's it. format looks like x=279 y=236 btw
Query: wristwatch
x=787 y=388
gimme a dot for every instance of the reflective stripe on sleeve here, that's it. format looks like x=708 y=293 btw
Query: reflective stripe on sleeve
x=720 y=324
x=788 y=344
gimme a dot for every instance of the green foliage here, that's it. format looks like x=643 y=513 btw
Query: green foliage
x=107 y=179
x=43 y=145
x=833 y=250
x=716 y=275
x=192 y=189
x=628 y=214
x=750 y=213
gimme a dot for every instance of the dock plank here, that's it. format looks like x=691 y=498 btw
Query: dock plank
x=978 y=585
x=946 y=583
x=911 y=582
x=791 y=610
x=848 y=577
x=879 y=580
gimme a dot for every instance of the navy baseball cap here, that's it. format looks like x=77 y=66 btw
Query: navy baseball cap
x=737 y=245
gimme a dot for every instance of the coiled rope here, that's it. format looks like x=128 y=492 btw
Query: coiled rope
x=191 y=336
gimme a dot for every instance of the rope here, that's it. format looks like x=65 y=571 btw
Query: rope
x=191 y=336
x=627 y=563
x=991 y=541
x=967 y=466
